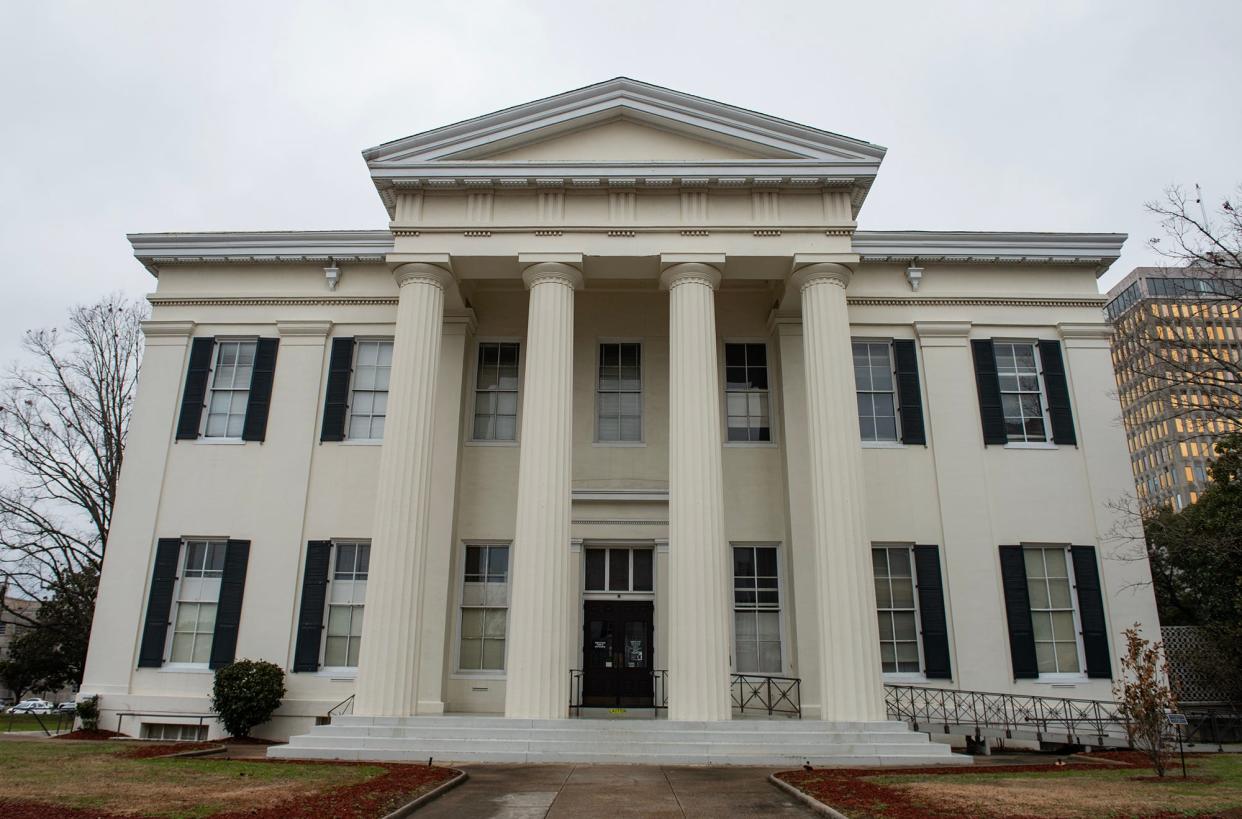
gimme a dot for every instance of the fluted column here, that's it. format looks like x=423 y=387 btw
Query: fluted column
x=698 y=651
x=849 y=643
x=537 y=664
x=388 y=665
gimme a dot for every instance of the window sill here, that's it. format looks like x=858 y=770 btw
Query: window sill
x=883 y=445
x=750 y=444
x=362 y=442
x=185 y=668
x=478 y=675
x=344 y=674
x=202 y=439
x=1036 y=445
x=904 y=677
x=1061 y=679
x=620 y=444
x=473 y=442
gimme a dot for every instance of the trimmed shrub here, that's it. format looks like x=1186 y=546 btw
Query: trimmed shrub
x=88 y=712
x=246 y=693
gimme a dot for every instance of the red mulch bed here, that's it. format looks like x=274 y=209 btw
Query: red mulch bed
x=151 y=750
x=365 y=800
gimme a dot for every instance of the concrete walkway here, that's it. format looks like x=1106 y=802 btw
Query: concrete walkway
x=612 y=791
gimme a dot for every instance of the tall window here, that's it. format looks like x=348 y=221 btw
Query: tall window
x=873 y=380
x=619 y=569
x=346 y=595
x=746 y=392
x=756 y=610
x=496 y=392
x=368 y=403
x=619 y=399
x=198 y=594
x=484 y=609
x=894 y=600
x=1017 y=368
x=230 y=389
x=1049 y=585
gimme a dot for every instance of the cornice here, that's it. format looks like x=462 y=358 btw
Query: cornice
x=271 y=301
x=246 y=247
x=972 y=301
x=1098 y=250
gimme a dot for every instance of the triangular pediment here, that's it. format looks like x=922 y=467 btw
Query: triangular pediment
x=622 y=121
x=626 y=139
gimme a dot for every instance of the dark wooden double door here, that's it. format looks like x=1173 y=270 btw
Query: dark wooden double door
x=617 y=653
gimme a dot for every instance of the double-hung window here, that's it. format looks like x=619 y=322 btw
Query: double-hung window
x=346 y=596
x=747 y=416
x=875 y=385
x=895 y=605
x=197 y=597
x=756 y=610
x=1049 y=583
x=619 y=394
x=230 y=388
x=496 y=392
x=1022 y=398
x=484 y=608
x=368 y=400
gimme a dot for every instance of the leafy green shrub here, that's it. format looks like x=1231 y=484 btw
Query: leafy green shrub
x=88 y=712
x=245 y=693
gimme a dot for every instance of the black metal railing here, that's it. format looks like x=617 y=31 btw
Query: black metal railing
x=1212 y=725
x=575 y=691
x=121 y=715
x=773 y=695
x=659 y=688
x=342 y=708
x=1068 y=720
x=53 y=723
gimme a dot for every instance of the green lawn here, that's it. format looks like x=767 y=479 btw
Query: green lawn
x=95 y=775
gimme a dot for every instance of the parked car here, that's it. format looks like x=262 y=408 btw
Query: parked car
x=32 y=707
x=70 y=707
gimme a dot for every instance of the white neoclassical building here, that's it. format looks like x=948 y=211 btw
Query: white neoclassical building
x=619 y=412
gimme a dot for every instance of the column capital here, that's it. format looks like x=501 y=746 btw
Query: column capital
x=554 y=272
x=686 y=272
x=437 y=274
x=830 y=272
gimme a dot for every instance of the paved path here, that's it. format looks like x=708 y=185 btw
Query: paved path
x=612 y=791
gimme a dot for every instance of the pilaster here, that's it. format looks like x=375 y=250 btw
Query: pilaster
x=112 y=652
x=699 y=634
x=388 y=668
x=537 y=664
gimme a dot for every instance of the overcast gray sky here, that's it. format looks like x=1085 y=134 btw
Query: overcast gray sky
x=157 y=116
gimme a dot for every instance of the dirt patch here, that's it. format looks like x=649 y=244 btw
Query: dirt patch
x=153 y=750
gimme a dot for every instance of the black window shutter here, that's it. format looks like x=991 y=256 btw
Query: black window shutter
x=990 y=411
x=1018 y=613
x=194 y=396
x=336 y=401
x=1091 y=612
x=254 y=428
x=908 y=393
x=159 y=603
x=310 y=615
x=1058 y=393
x=931 y=613
x=228 y=611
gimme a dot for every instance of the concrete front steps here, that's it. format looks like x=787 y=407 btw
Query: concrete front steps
x=640 y=742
